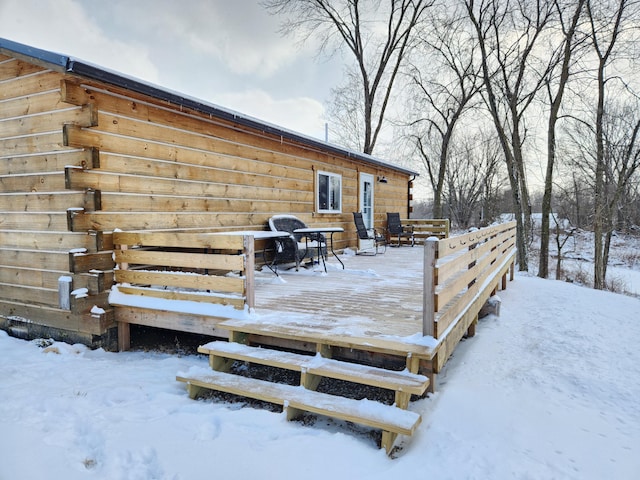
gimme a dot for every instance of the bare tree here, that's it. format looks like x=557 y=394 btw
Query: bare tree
x=473 y=179
x=560 y=243
x=508 y=32
x=445 y=80
x=379 y=48
x=622 y=133
x=620 y=165
x=607 y=20
x=569 y=16
x=346 y=112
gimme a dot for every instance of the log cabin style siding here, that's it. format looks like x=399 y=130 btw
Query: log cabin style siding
x=84 y=152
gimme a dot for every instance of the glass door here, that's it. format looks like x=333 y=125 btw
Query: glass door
x=366 y=199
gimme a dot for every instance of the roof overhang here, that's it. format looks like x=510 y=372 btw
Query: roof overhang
x=66 y=64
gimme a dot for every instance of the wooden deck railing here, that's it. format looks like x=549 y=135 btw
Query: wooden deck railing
x=424 y=228
x=186 y=266
x=460 y=274
x=207 y=268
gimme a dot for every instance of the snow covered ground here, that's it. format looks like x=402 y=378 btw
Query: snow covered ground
x=550 y=389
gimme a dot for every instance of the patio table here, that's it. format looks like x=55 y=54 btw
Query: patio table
x=262 y=235
x=322 y=239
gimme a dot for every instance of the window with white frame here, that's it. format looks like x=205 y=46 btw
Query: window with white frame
x=329 y=198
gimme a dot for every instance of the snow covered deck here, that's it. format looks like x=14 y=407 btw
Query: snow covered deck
x=384 y=304
x=375 y=301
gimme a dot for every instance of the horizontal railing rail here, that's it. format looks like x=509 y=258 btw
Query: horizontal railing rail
x=424 y=228
x=172 y=265
x=461 y=272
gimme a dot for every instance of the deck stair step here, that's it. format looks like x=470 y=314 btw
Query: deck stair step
x=399 y=381
x=296 y=399
x=317 y=333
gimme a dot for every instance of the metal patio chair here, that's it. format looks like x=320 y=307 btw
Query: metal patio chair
x=368 y=235
x=298 y=246
x=396 y=229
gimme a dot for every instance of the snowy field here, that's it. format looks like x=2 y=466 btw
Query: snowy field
x=550 y=389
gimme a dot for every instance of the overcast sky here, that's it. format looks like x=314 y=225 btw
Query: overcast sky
x=227 y=52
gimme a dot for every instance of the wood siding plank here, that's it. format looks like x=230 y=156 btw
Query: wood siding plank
x=48 y=240
x=109 y=221
x=32 y=144
x=26 y=294
x=107 y=182
x=40 y=202
x=47 y=121
x=36 y=221
x=15 y=87
x=39 y=102
x=17 y=68
x=255 y=173
x=42 y=182
x=43 y=163
x=56 y=318
x=124 y=202
x=58 y=261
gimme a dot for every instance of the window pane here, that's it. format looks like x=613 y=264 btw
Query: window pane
x=335 y=193
x=329 y=192
x=323 y=192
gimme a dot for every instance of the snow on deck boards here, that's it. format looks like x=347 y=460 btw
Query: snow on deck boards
x=316 y=364
x=374 y=296
x=346 y=336
x=365 y=412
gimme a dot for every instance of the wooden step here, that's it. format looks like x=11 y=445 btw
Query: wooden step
x=400 y=381
x=308 y=332
x=364 y=412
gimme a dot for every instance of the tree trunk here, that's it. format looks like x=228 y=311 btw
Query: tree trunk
x=543 y=266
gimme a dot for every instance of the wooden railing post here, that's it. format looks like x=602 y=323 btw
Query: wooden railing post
x=429 y=289
x=249 y=251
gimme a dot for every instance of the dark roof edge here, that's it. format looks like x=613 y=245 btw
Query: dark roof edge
x=93 y=72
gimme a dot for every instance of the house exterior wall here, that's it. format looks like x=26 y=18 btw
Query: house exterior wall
x=80 y=158
x=36 y=247
x=159 y=166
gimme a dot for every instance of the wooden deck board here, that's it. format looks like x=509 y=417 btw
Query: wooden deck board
x=382 y=293
x=374 y=304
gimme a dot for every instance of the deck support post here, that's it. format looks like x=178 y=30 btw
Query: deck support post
x=194 y=391
x=292 y=413
x=388 y=439
x=124 y=336
x=402 y=400
x=220 y=364
x=324 y=350
x=413 y=363
x=471 y=331
x=309 y=380
x=427 y=368
x=238 y=337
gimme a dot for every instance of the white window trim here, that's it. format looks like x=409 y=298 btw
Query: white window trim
x=330 y=175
